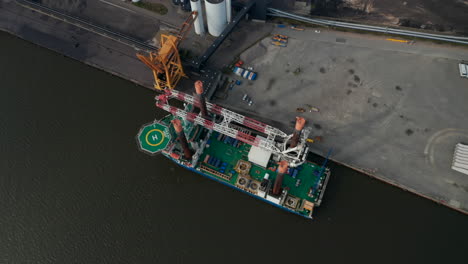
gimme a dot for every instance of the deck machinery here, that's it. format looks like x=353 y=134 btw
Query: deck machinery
x=238 y=151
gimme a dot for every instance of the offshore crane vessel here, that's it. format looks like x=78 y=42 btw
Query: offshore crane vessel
x=237 y=151
x=228 y=147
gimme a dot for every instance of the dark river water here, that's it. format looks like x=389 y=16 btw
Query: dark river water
x=75 y=189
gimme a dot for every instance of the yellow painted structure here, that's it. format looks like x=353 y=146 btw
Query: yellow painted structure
x=398 y=40
x=165 y=62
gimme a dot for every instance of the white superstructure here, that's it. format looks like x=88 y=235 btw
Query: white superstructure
x=216 y=16
x=463 y=69
x=198 y=24
x=228 y=11
x=460 y=158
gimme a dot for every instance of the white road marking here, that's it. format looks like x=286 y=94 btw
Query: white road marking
x=121 y=7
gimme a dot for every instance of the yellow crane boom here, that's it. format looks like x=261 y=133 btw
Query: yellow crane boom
x=165 y=62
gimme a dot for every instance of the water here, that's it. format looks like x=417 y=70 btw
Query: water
x=75 y=189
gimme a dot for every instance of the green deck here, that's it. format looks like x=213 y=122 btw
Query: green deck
x=231 y=155
x=154 y=137
x=309 y=173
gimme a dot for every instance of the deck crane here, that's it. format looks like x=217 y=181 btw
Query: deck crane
x=165 y=62
x=275 y=140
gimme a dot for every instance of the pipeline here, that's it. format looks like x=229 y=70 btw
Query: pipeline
x=387 y=30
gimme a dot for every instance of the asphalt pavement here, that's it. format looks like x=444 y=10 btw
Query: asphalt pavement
x=393 y=110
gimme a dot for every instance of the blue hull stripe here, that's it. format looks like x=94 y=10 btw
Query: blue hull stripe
x=234 y=187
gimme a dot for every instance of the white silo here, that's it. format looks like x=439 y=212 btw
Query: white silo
x=228 y=11
x=199 y=25
x=216 y=16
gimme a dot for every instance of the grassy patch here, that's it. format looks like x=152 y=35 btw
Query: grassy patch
x=155 y=7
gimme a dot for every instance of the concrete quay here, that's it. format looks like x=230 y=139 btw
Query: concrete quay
x=74 y=42
x=394 y=111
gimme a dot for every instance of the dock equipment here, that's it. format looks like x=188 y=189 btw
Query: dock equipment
x=165 y=62
x=200 y=61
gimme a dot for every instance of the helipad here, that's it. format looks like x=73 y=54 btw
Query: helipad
x=153 y=138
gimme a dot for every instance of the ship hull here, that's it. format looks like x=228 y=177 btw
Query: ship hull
x=250 y=194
